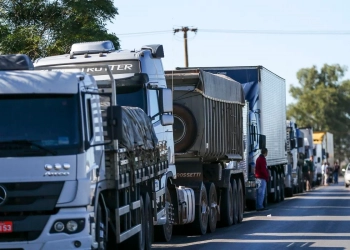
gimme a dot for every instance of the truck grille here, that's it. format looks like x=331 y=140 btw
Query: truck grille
x=28 y=206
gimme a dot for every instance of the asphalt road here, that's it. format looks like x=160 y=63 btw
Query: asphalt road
x=319 y=219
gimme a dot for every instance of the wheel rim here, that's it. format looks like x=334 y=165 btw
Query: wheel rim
x=204 y=209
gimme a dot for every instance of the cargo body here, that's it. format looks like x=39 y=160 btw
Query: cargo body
x=266 y=94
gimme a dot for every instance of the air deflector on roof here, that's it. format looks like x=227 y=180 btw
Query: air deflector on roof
x=16 y=62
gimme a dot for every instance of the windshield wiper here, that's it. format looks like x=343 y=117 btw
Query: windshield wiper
x=29 y=143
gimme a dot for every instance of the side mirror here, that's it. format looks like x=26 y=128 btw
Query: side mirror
x=167 y=119
x=114 y=122
x=343 y=170
x=166 y=101
x=262 y=141
x=292 y=143
x=300 y=142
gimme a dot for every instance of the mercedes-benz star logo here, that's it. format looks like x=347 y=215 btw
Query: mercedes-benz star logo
x=3 y=195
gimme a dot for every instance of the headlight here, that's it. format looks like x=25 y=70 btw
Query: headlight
x=58 y=226
x=69 y=226
x=72 y=226
x=251 y=184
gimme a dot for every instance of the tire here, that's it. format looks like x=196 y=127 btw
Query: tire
x=200 y=224
x=278 y=188
x=235 y=201
x=148 y=223
x=226 y=207
x=240 y=201
x=346 y=185
x=164 y=232
x=100 y=229
x=137 y=241
x=185 y=128
x=212 y=202
x=273 y=196
x=281 y=188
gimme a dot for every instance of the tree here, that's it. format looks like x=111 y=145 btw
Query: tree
x=49 y=27
x=323 y=103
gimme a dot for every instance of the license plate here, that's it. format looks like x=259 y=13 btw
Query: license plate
x=5 y=226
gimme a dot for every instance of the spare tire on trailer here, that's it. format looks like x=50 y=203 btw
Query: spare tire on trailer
x=185 y=128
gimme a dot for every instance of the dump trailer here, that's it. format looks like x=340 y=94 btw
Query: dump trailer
x=208 y=136
x=131 y=195
x=266 y=94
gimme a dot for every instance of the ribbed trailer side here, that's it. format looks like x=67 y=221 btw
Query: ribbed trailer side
x=208 y=116
x=273 y=115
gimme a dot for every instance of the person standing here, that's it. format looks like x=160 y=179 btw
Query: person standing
x=262 y=176
x=336 y=172
x=326 y=174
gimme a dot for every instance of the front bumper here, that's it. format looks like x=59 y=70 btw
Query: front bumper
x=57 y=241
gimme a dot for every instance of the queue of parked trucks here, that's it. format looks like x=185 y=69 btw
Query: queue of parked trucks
x=103 y=148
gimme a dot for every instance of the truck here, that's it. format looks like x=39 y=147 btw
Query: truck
x=208 y=137
x=139 y=81
x=293 y=180
x=80 y=171
x=266 y=94
x=310 y=153
x=323 y=150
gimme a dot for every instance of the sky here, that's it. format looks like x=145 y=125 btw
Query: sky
x=217 y=43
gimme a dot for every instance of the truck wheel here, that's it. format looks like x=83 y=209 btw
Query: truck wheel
x=278 y=188
x=240 y=201
x=100 y=230
x=164 y=232
x=226 y=206
x=281 y=188
x=213 y=202
x=200 y=223
x=137 y=241
x=235 y=201
x=346 y=185
x=148 y=223
x=185 y=128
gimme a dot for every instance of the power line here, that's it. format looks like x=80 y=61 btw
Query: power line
x=281 y=32
x=254 y=32
x=145 y=33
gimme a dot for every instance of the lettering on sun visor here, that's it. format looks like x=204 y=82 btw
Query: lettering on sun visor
x=93 y=68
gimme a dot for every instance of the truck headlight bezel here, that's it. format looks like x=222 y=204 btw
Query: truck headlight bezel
x=67 y=224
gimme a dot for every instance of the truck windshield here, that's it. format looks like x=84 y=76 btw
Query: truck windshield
x=34 y=125
x=132 y=96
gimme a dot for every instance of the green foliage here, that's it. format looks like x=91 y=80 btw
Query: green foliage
x=49 y=27
x=323 y=103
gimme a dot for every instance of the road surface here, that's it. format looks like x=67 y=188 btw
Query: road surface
x=319 y=219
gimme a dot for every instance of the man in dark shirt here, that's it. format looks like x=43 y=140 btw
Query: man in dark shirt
x=262 y=176
x=336 y=172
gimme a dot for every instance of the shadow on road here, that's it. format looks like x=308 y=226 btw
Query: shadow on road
x=318 y=219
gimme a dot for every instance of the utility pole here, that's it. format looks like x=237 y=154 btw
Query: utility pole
x=185 y=30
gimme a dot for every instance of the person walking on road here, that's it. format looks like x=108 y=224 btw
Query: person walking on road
x=336 y=172
x=262 y=176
